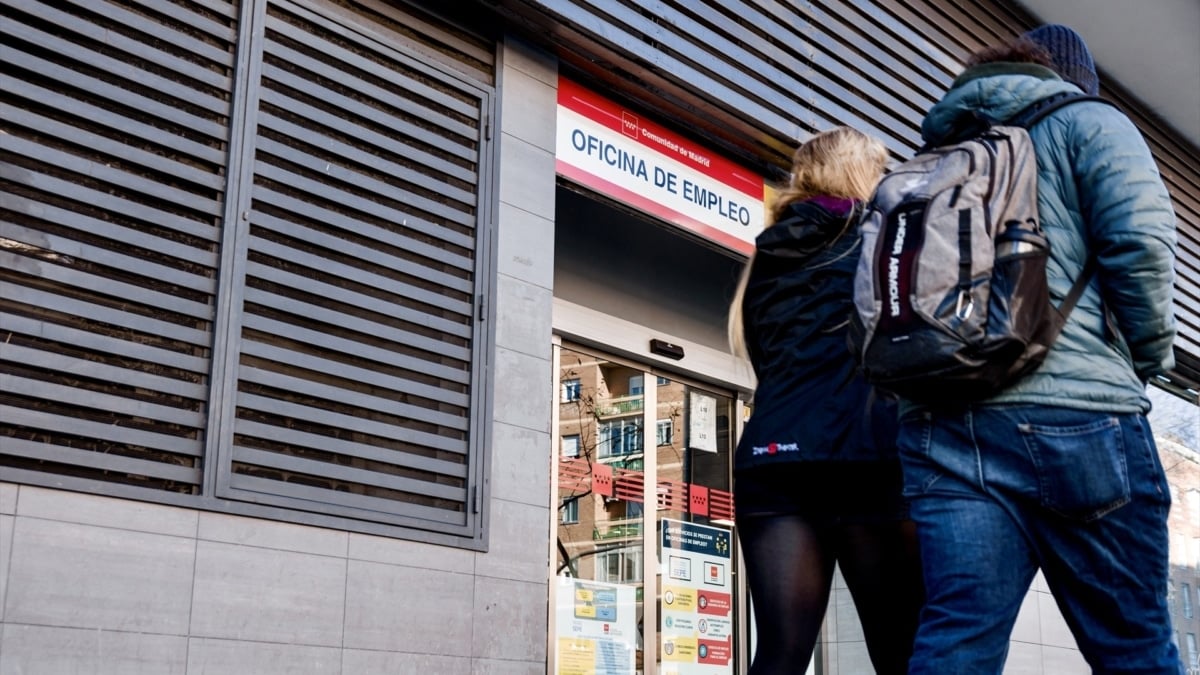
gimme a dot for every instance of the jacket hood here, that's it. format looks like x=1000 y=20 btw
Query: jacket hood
x=806 y=227
x=995 y=90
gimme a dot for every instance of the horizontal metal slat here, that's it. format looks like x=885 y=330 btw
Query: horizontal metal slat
x=1187 y=307
x=355 y=156
x=778 y=108
x=456 y=46
x=113 y=231
x=326 y=340
x=338 y=219
x=369 y=254
x=75 y=426
x=459 y=329
x=181 y=14
x=346 y=448
x=329 y=267
x=135 y=48
x=342 y=320
x=96 y=370
x=265 y=491
x=1186 y=202
x=363 y=375
x=911 y=48
x=95 y=342
x=1172 y=155
x=826 y=33
x=120 y=69
x=455 y=132
x=99 y=116
x=397 y=125
x=727 y=58
x=346 y=59
x=104 y=145
x=94 y=400
x=341 y=395
x=332 y=471
x=336 y=420
x=369 y=231
x=331 y=194
x=105 y=172
x=905 y=70
x=80 y=251
x=109 y=202
x=1188 y=344
x=103 y=461
x=393 y=143
x=924 y=22
x=982 y=28
x=335 y=176
x=225 y=32
x=111 y=287
x=112 y=93
x=99 y=313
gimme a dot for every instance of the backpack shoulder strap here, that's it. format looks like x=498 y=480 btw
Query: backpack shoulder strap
x=1038 y=110
x=1085 y=277
x=1027 y=118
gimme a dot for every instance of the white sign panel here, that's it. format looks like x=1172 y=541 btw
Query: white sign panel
x=618 y=152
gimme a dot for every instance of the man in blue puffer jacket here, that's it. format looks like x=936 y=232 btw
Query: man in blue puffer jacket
x=1060 y=471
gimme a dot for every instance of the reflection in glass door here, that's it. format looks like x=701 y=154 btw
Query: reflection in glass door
x=600 y=564
x=619 y=426
x=697 y=596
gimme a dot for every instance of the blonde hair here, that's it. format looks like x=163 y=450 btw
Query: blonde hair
x=839 y=162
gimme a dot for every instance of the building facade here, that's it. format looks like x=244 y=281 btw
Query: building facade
x=369 y=336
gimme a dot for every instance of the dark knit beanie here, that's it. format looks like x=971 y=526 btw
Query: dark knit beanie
x=1072 y=60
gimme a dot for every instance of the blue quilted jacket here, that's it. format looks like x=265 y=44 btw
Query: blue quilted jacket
x=1098 y=190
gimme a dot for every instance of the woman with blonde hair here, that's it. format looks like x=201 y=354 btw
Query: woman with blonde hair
x=816 y=474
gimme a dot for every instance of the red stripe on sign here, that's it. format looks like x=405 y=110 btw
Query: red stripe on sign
x=657 y=138
x=654 y=208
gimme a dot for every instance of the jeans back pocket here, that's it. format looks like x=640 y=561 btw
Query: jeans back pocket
x=1082 y=472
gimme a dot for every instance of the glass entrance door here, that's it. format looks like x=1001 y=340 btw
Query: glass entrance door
x=627 y=438
x=694 y=521
x=597 y=620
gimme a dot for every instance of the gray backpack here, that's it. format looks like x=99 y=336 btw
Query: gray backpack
x=950 y=294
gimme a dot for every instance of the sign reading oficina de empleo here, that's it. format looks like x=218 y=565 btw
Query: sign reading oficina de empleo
x=620 y=153
x=696 y=608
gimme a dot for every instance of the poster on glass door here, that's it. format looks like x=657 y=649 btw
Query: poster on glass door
x=696 y=601
x=597 y=628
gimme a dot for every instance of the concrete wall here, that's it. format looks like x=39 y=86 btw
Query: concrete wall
x=92 y=584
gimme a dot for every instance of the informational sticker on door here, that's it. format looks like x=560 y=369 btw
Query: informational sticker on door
x=597 y=628
x=702 y=422
x=696 y=603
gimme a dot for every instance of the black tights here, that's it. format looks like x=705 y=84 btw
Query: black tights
x=789 y=567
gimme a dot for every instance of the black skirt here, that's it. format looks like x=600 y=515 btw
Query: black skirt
x=829 y=492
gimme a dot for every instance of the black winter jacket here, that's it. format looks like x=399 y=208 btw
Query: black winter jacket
x=810 y=402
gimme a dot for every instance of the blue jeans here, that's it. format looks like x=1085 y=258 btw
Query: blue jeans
x=1001 y=491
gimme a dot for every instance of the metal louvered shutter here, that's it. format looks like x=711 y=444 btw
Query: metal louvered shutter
x=361 y=317
x=115 y=127
x=244 y=258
